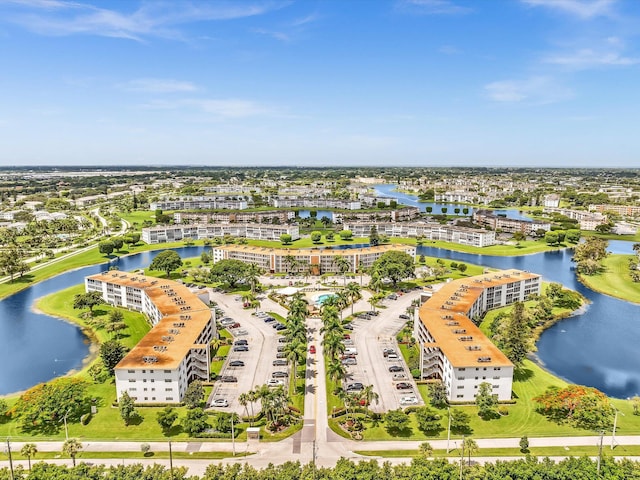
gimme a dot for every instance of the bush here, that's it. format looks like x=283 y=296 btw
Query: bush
x=85 y=419
x=503 y=410
x=415 y=373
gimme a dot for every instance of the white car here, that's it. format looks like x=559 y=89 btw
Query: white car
x=409 y=400
x=274 y=382
x=399 y=376
x=220 y=402
x=241 y=332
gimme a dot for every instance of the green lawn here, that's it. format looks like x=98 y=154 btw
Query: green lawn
x=524 y=247
x=136 y=218
x=577 y=451
x=615 y=279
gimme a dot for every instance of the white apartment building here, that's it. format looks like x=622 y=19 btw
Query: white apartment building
x=488 y=218
x=262 y=216
x=199 y=203
x=453 y=348
x=586 y=220
x=402 y=214
x=175 y=352
x=626 y=210
x=430 y=231
x=254 y=231
x=551 y=201
x=306 y=202
x=314 y=261
x=456 y=197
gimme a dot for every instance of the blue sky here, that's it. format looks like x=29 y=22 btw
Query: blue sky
x=312 y=82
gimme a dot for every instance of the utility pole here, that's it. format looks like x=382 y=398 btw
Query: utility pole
x=10 y=458
x=170 y=460
x=600 y=451
x=448 y=428
x=461 y=456
x=615 y=424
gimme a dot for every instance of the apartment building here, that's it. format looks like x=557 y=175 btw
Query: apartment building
x=512 y=225
x=626 y=210
x=429 y=231
x=199 y=203
x=313 y=261
x=453 y=348
x=263 y=216
x=586 y=220
x=309 y=202
x=175 y=352
x=402 y=214
x=254 y=231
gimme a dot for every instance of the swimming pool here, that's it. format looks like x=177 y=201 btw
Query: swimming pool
x=320 y=299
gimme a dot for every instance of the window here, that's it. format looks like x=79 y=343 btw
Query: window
x=459 y=396
x=460 y=387
x=131 y=371
x=169 y=398
x=461 y=369
x=496 y=386
x=168 y=389
x=167 y=371
x=132 y=380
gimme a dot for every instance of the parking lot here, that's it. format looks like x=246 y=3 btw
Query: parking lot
x=370 y=338
x=262 y=340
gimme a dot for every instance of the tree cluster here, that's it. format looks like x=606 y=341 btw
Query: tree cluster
x=580 y=406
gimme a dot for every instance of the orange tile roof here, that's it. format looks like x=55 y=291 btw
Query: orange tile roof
x=314 y=251
x=463 y=344
x=176 y=333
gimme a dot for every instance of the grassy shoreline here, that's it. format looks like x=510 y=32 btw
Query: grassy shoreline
x=615 y=279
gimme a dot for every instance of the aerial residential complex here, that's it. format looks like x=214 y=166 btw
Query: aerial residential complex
x=263 y=216
x=314 y=261
x=587 y=220
x=199 y=203
x=255 y=231
x=430 y=231
x=497 y=222
x=175 y=351
x=453 y=348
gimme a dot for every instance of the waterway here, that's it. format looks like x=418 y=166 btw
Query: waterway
x=599 y=347
x=388 y=190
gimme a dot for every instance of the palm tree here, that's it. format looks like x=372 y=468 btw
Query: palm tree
x=72 y=447
x=333 y=344
x=243 y=399
x=353 y=290
x=252 y=276
x=426 y=449
x=470 y=445
x=294 y=351
x=374 y=299
x=29 y=450
x=336 y=371
x=343 y=266
x=290 y=261
x=369 y=395
x=342 y=300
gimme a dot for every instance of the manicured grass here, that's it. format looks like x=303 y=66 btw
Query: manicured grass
x=137 y=218
x=135 y=455
x=612 y=236
x=90 y=257
x=615 y=279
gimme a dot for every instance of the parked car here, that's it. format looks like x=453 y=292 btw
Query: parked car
x=281 y=348
x=279 y=327
x=282 y=340
x=274 y=382
x=235 y=325
x=387 y=351
x=220 y=402
x=404 y=316
x=279 y=374
x=399 y=376
x=236 y=363
x=409 y=400
x=349 y=361
x=268 y=319
x=392 y=356
x=374 y=313
x=348 y=326
x=228 y=379
x=348 y=343
x=279 y=363
x=312 y=349
x=392 y=296
x=242 y=341
x=227 y=322
x=241 y=348
x=404 y=386
x=396 y=368
x=241 y=332
x=281 y=355
x=355 y=387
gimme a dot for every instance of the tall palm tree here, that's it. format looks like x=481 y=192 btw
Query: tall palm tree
x=72 y=447
x=369 y=395
x=252 y=276
x=336 y=371
x=333 y=344
x=243 y=399
x=29 y=450
x=343 y=301
x=343 y=265
x=291 y=261
x=353 y=290
x=294 y=351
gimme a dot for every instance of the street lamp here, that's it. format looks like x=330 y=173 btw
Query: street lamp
x=615 y=424
x=448 y=428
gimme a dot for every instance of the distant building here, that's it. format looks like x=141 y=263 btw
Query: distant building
x=175 y=352
x=551 y=201
x=262 y=216
x=586 y=220
x=402 y=214
x=314 y=261
x=453 y=348
x=490 y=219
x=199 y=203
x=626 y=210
x=430 y=231
x=310 y=202
x=254 y=231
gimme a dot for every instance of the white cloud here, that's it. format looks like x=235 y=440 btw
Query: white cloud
x=223 y=108
x=588 y=58
x=433 y=7
x=584 y=9
x=283 y=37
x=312 y=17
x=158 y=85
x=529 y=91
x=159 y=19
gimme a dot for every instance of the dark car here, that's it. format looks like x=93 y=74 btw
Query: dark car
x=387 y=351
x=241 y=348
x=395 y=368
x=236 y=363
x=281 y=348
x=281 y=355
x=269 y=319
x=235 y=325
x=282 y=340
x=228 y=379
x=279 y=363
x=355 y=387
x=347 y=326
x=241 y=342
x=404 y=316
x=279 y=326
x=373 y=312
x=279 y=374
x=403 y=386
